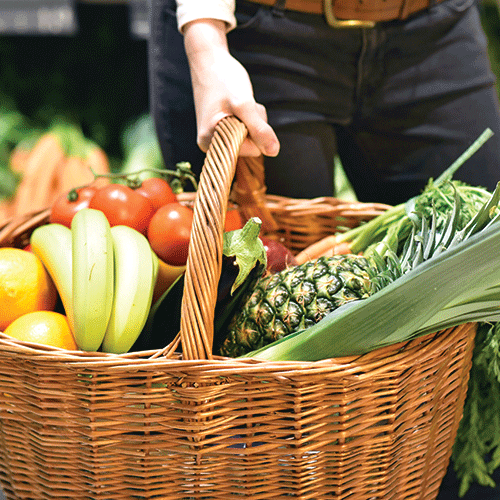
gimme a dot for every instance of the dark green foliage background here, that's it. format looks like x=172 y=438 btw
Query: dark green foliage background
x=490 y=10
x=97 y=77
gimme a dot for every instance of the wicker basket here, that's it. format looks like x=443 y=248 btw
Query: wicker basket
x=162 y=425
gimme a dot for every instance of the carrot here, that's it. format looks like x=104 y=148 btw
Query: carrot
x=317 y=249
x=73 y=174
x=326 y=247
x=343 y=247
x=98 y=161
x=18 y=159
x=38 y=178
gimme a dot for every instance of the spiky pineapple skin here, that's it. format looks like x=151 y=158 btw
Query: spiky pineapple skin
x=296 y=298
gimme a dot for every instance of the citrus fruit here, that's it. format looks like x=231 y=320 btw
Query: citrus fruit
x=25 y=285
x=43 y=327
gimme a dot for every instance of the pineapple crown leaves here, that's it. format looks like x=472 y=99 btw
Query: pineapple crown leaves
x=425 y=240
x=487 y=214
x=384 y=270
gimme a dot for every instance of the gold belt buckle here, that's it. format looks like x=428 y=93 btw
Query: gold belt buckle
x=343 y=23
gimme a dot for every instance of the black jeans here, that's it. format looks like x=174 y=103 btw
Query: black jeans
x=398 y=103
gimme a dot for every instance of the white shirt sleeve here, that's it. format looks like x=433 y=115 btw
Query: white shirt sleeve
x=189 y=10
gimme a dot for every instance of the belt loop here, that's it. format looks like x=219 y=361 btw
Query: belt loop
x=405 y=8
x=278 y=9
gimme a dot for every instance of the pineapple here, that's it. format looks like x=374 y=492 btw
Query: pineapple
x=298 y=297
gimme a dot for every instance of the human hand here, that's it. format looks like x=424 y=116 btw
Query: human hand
x=222 y=87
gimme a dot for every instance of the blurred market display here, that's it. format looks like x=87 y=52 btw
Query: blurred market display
x=83 y=64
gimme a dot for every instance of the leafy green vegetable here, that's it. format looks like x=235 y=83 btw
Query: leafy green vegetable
x=13 y=126
x=247 y=249
x=8 y=182
x=476 y=452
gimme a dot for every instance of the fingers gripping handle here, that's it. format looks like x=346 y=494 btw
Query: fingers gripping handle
x=204 y=262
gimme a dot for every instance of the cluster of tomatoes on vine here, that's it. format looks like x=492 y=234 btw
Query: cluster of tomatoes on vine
x=150 y=206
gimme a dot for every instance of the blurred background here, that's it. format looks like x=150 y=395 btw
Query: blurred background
x=83 y=63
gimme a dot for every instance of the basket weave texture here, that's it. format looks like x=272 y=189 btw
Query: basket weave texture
x=164 y=425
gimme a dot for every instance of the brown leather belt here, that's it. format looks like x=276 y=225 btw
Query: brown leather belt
x=355 y=13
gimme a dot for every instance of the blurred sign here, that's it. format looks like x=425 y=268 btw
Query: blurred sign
x=139 y=18
x=37 y=17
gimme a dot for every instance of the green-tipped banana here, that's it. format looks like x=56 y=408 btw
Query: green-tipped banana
x=136 y=268
x=93 y=277
x=156 y=266
x=51 y=243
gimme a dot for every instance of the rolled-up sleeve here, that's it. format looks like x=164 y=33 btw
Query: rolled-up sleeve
x=189 y=10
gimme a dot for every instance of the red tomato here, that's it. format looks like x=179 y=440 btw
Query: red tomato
x=233 y=219
x=65 y=207
x=169 y=232
x=158 y=191
x=122 y=205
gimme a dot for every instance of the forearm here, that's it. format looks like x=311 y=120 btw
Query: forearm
x=202 y=39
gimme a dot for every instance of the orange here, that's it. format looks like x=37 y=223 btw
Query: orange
x=43 y=327
x=25 y=285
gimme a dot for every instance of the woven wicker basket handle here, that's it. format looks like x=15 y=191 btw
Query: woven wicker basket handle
x=249 y=191
x=204 y=262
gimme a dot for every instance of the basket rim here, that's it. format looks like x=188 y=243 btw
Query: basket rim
x=413 y=349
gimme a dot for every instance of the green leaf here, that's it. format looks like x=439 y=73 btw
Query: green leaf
x=8 y=182
x=246 y=247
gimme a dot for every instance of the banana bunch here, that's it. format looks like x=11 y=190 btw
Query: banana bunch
x=105 y=277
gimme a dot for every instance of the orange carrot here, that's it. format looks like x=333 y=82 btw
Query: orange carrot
x=317 y=249
x=73 y=174
x=18 y=159
x=38 y=177
x=98 y=161
x=344 y=247
x=326 y=247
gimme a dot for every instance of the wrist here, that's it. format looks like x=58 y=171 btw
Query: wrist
x=203 y=36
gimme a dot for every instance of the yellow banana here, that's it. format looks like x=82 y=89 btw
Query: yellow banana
x=136 y=268
x=51 y=243
x=93 y=277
